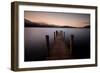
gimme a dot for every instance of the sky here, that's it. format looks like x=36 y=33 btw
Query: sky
x=58 y=18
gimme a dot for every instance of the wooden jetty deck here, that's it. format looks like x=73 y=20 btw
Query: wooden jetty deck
x=59 y=49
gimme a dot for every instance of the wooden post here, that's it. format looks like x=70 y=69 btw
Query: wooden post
x=71 y=44
x=48 y=43
x=64 y=35
x=61 y=33
x=54 y=35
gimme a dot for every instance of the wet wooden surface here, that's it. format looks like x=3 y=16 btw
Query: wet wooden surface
x=59 y=49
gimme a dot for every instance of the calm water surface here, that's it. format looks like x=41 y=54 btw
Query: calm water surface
x=35 y=42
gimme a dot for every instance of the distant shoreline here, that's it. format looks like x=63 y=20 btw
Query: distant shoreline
x=35 y=24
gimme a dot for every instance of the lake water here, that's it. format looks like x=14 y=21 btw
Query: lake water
x=35 y=42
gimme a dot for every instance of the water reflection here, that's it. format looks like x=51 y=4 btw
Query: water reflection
x=35 y=42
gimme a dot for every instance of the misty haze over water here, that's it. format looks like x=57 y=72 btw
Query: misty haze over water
x=35 y=42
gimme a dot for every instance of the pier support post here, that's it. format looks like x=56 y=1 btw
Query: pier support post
x=48 y=43
x=54 y=35
x=64 y=35
x=71 y=44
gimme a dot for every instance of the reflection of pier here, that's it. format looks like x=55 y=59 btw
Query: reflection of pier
x=59 y=49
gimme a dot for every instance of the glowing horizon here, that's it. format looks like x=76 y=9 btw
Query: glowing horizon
x=60 y=19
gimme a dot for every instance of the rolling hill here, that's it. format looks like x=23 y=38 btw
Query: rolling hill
x=36 y=24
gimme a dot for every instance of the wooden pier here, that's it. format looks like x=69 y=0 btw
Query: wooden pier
x=59 y=49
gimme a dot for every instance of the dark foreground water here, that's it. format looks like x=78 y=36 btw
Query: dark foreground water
x=35 y=42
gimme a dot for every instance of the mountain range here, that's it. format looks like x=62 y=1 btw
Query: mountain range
x=28 y=23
